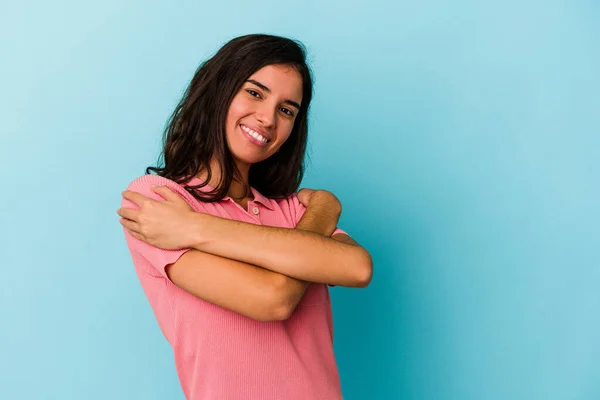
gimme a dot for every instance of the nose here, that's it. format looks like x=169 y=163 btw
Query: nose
x=266 y=115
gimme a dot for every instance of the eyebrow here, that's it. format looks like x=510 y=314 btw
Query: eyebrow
x=266 y=89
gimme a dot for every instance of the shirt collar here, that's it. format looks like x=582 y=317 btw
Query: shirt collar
x=258 y=197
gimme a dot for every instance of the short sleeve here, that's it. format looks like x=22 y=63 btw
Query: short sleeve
x=142 y=252
x=338 y=230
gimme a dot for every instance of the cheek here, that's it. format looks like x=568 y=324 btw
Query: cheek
x=237 y=110
x=285 y=130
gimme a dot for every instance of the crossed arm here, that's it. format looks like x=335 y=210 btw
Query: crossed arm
x=258 y=271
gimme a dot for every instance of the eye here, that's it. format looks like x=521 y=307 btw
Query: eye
x=253 y=93
x=287 y=111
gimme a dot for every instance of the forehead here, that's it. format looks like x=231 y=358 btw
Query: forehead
x=282 y=80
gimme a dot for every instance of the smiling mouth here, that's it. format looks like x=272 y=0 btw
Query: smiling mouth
x=255 y=134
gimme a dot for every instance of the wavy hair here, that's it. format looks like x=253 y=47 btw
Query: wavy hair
x=195 y=132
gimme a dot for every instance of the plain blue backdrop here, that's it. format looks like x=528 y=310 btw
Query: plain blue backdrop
x=463 y=139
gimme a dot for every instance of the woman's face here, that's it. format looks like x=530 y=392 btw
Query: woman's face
x=262 y=114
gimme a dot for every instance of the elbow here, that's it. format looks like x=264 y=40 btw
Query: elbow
x=274 y=312
x=280 y=306
x=364 y=270
x=281 y=312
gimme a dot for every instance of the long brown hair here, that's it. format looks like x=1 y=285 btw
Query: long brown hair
x=195 y=132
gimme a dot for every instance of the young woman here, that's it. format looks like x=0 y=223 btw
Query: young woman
x=234 y=263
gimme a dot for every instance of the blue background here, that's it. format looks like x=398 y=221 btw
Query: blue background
x=462 y=137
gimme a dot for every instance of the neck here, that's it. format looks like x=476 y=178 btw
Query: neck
x=239 y=189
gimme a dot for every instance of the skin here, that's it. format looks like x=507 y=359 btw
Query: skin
x=259 y=271
x=272 y=111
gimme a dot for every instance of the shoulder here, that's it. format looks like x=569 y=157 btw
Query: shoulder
x=144 y=183
x=291 y=207
x=292 y=200
x=144 y=186
x=289 y=202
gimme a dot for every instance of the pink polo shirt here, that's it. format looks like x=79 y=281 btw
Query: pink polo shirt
x=220 y=354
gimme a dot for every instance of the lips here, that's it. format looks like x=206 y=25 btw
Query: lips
x=253 y=137
x=258 y=130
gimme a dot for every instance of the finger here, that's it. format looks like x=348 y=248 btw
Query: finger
x=304 y=195
x=128 y=213
x=167 y=193
x=136 y=235
x=306 y=191
x=131 y=226
x=135 y=197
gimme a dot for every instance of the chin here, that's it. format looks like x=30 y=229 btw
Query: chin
x=248 y=157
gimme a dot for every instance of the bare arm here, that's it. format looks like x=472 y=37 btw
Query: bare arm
x=172 y=224
x=244 y=288
x=296 y=253
x=320 y=221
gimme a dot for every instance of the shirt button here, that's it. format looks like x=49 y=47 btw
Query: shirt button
x=255 y=210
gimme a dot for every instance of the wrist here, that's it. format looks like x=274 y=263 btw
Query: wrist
x=197 y=230
x=319 y=219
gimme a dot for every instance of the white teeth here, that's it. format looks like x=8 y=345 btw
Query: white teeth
x=255 y=135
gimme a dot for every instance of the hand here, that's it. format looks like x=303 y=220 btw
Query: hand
x=322 y=213
x=164 y=224
x=304 y=195
x=327 y=199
